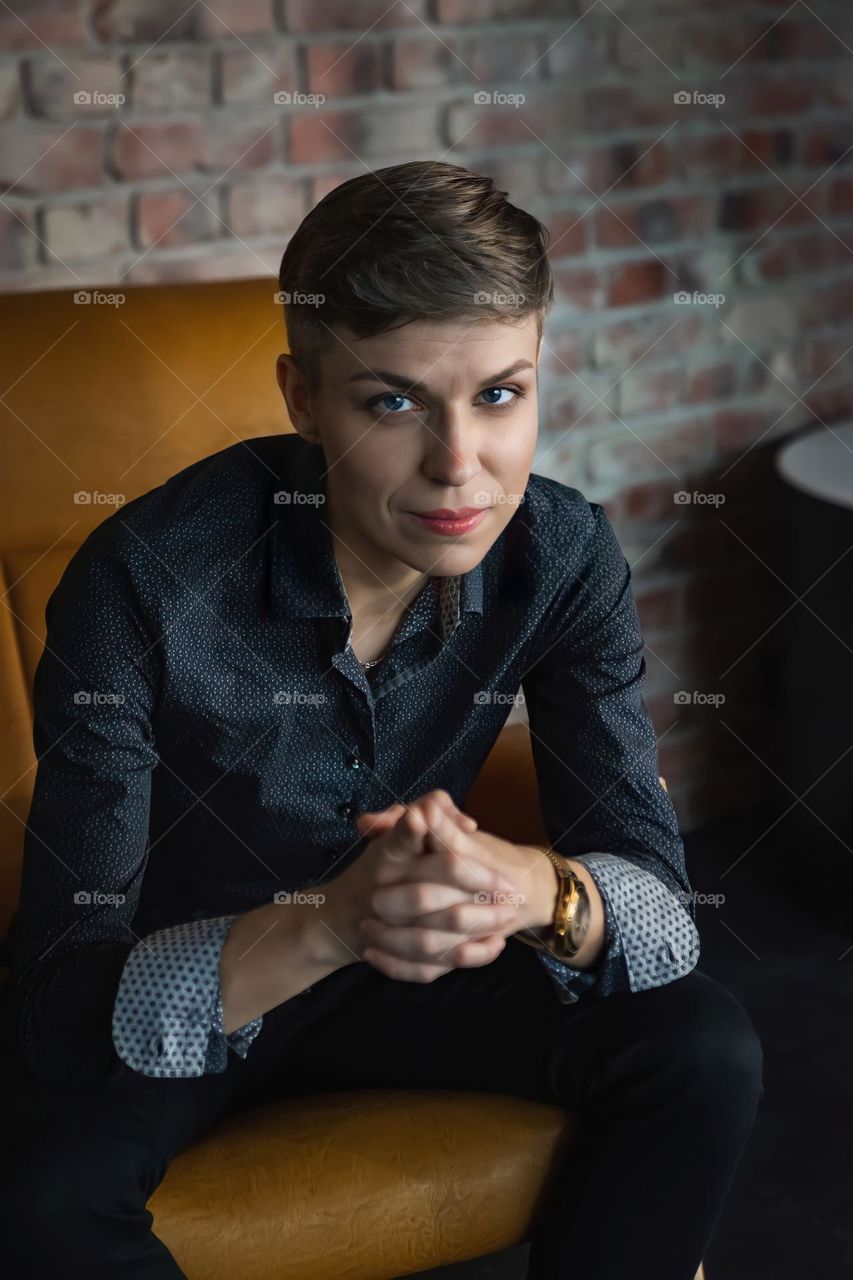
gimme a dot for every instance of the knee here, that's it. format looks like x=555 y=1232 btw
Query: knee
x=715 y=1045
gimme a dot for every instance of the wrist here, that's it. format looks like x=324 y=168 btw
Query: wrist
x=324 y=942
x=537 y=911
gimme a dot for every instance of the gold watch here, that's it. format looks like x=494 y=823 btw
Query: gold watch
x=571 y=920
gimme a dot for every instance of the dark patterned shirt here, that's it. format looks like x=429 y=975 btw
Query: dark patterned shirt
x=206 y=736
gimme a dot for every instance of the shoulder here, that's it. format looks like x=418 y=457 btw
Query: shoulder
x=563 y=523
x=196 y=517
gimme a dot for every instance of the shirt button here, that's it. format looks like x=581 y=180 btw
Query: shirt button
x=346 y=810
x=354 y=762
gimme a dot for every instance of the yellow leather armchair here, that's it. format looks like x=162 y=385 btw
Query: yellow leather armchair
x=113 y=397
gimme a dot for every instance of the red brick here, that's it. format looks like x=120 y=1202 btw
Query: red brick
x=168 y=219
x=826 y=145
x=336 y=70
x=582 y=172
x=373 y=132
x=653 y=221
x=323 y=183
x=582 y=401
x=645 y=503
x=607 y=109
x=157 y=150
x=787 y=95
x=422 y=63
x=55 y=87
x=582 y=50
x=841 y=197
x=275 y=205
x=168 y=81
x=647 y=390
x=39 y=159
x=45 y=22
x=717 y=156
x=621 y=343
x=579 y=288
x=637 y=164
x=500 y=123
x=711 y=383
x=343 y=15
x=563 y=351
x=755 y=210
x=568 y=233
x=138 y=20
x=636 y=282
x=224 y=18
x=644 y=48
x=500 y=58
x=232 y=146
x=255 y=75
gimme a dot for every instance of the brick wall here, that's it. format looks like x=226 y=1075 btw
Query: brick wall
x=694 y=165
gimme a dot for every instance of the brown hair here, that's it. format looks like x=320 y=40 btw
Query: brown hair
x=420 y=240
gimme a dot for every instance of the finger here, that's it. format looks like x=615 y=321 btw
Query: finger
x=403 y=970
x=464 y=919
x=376 y=821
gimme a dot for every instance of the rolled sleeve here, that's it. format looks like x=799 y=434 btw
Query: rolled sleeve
x=168 y=1015
x=650 y=938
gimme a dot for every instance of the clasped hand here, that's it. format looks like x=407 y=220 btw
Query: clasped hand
x=431 y=892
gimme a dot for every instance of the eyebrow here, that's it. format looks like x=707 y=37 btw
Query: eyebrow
x=409 y=384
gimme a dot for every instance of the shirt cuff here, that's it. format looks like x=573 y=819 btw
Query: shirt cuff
x=649 y=936
x=168 y=1015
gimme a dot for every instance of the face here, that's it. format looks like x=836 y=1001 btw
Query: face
x=434 y=415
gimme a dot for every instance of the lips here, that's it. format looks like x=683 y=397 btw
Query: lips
x=449 y=522
x=448 y=513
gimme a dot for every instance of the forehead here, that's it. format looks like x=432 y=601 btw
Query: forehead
x=469 y=348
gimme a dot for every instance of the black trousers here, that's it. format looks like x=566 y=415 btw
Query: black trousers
x=666 y=1084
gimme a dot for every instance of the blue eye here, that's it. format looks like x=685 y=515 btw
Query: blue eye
x=376 y=404
x=389 y=395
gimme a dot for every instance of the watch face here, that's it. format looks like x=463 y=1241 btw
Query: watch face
x=580 y=922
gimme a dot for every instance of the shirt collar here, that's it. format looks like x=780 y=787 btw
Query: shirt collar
x=305 y=581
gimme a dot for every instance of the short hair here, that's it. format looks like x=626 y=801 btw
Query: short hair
x=414 y=241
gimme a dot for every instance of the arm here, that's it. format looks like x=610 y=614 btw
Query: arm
x=595 y=755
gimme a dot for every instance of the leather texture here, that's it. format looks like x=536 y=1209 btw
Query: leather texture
x=362 y=1186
